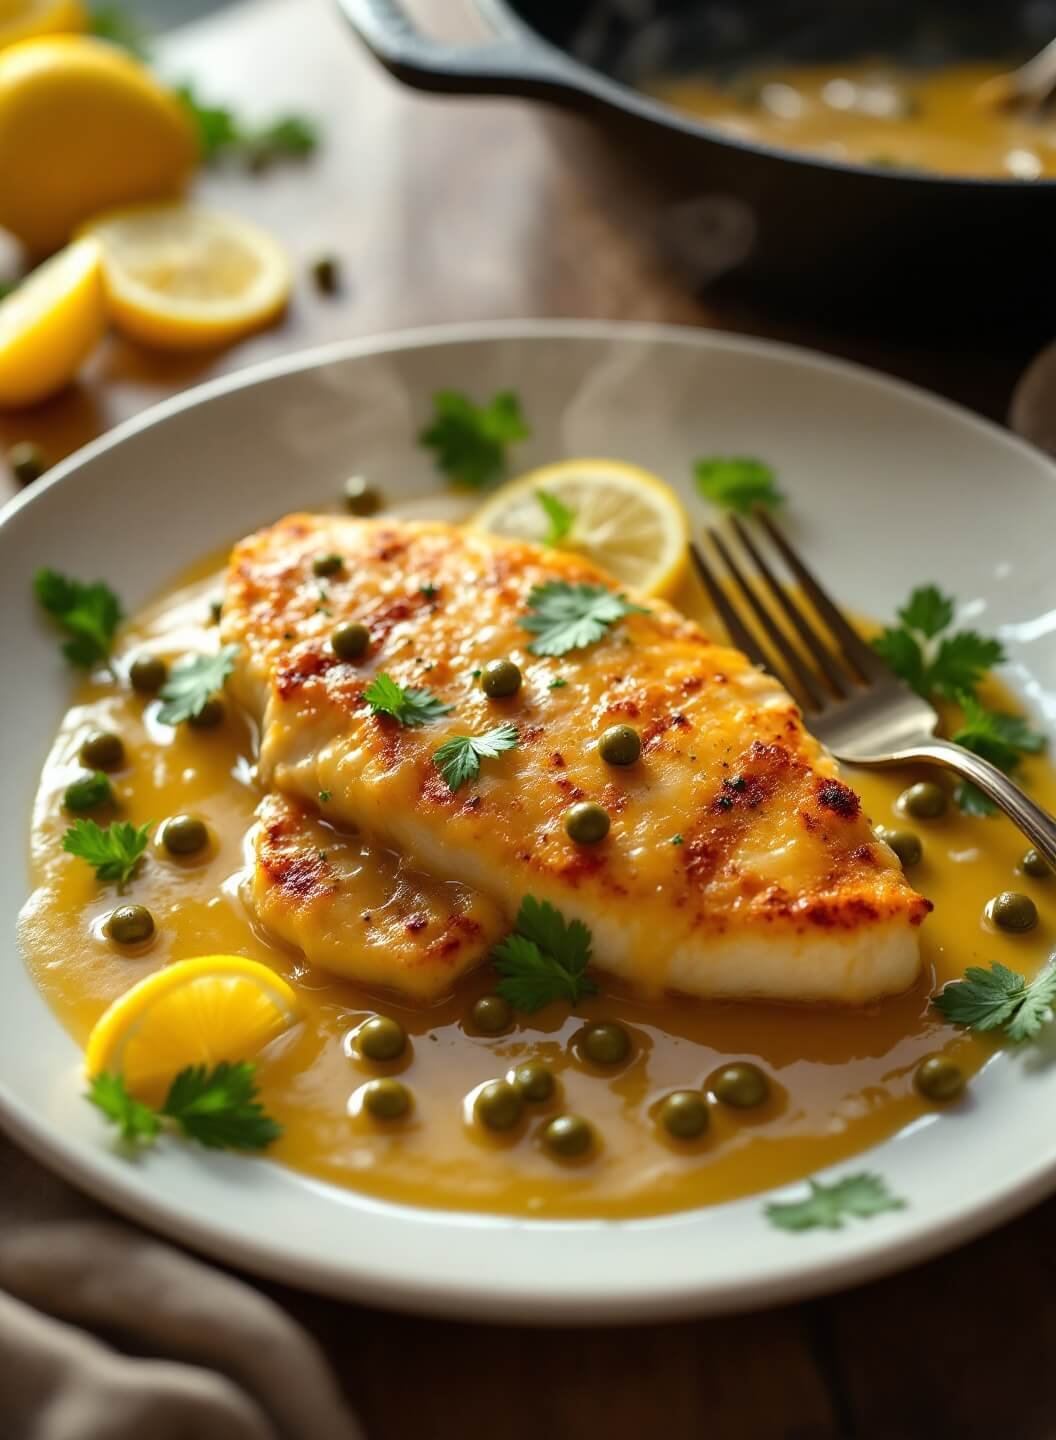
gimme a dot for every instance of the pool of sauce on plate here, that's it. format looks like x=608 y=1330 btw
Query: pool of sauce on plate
x=877 y=114
x=842 y=1079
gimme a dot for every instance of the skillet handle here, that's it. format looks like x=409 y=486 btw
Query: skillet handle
x=507 y=65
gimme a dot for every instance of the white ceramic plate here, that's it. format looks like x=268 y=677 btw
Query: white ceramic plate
x=890 y=487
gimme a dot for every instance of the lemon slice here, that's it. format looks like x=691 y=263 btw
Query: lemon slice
x=194 y=1012
x=50 y=323
x=22 y=19
x=178 y=277
x=625 y=519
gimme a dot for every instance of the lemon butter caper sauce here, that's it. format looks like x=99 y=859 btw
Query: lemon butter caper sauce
x=620 y=1106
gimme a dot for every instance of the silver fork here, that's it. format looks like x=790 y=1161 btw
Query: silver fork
x=851 y=700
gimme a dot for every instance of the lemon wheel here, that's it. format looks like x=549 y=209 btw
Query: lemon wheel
x=49 y=324
x=194 y=1012
x=179 y=277
x=621 y=517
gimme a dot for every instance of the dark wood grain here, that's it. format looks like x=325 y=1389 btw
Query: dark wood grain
x=454 y=210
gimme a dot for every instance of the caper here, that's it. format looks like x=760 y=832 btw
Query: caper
x=491 y=1014
x=924 y=801
x=534 y=1081
x=147 y=674
x=684 y=1114
x=499 y=1105
x=938 y=1078
x=586 y=823
x=27 y=461
x=500 y=678
x=349 y=640
x=102 y=750
x=130 y=924
x=326 y=272
x=607 y=1044
x=568 y=1136
x=1012 y=911
x=741 y=1085
x=381 y=1038
x=211 y=713
x=184 y=835
x=620 y=745
x=1035 y=865
x=386 y=1099
x=905 y=844
x=324 y=565
x=361 y=498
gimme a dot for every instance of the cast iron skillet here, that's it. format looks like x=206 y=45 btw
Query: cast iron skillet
x=839 y=239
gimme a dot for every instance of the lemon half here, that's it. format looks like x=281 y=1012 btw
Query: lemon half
x=624 y=519
x=50 y=323
x=193 y=1012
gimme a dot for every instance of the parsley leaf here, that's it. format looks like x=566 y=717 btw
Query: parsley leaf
x=136 y=1121
x=113 y=852
x=90 y=615
x=560 y=517
x=458 y=759
x=997 y=736
x=952 y=667
x=469 y=440
x=997 y=999
x=927 y=610
x=221 y=133
x=827 y=1206
x=544 y=959
x=567 y=617
x=193 y=682
x=406 y=704
x=219 y=1107
x=737 y=483
x=88 y=792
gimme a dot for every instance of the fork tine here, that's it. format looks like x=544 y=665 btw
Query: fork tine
x=738 y=633
x=864 y=659
x=788 y=652
x=841 y=682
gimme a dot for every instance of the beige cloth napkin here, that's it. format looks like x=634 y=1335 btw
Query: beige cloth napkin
x=107 y=1334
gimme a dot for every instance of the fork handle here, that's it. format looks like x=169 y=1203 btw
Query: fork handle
x=1036 y=824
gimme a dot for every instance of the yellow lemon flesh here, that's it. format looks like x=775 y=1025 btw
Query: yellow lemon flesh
x=50 y=324
x=23 y=19
x=194 y=1012
x=623 y=518
x=83 y=128
x=178 y=277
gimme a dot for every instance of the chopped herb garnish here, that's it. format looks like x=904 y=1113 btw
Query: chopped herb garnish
x=429 y=591
x=565 y=616
x=325 y=795
x=560 y=517
x=828 y=1206
x=193 y=682
x=677 y=840
x=544 y=959
x=222 y=134
x=113 y=851
x=89 y=792
x=406 y=704
x=999 y=999
x=476 y=674
x=558 y=684
x=458 y=759
x=218 y=1108
x=90 y=615
x=737 y=483
x=470 y=441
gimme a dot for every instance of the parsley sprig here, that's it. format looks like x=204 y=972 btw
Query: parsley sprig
x=544 y=959
x=218 y=1108
x=828 y=1206
x=405 y=703
x=222 y=134
x=999 y=999
x=737 y=482
x=193 y=682
x=113 y=851
x=470 y=441
x=458 y=759
x=559 y=516
x=565 y=616
x=89 y=614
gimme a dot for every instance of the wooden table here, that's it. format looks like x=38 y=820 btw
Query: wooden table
x=459 y=210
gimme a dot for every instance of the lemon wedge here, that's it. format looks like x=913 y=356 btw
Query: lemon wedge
x=194 y=1012
x=621 y=517
x=178 y=277
x=23 y=19
x=50 y=323
x=83 y=128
